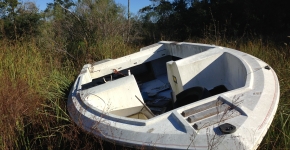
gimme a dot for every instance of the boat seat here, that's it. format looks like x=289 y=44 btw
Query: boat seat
x=118 y=97
x=206 y=70
x=191 y=95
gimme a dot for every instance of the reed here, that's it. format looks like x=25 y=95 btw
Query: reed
x=36 y=79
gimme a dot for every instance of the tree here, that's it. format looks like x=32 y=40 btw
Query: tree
x=82 y=28
x=20 y=20
x=7 y=9
x=156 y=21
x=182 y=19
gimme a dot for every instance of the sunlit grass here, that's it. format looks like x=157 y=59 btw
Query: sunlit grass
x=29 y=82
x=35 y=83
x=36 y=80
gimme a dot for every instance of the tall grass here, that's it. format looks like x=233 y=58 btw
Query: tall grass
x=35 y=82
x=36 y=79
x=29 y=81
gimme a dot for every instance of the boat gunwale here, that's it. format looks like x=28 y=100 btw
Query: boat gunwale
x=139 y=122
x=247 y=88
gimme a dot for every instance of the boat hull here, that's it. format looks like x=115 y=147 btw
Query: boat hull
x=246 y=109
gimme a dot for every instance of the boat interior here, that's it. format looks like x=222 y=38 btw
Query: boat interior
x=165 y=83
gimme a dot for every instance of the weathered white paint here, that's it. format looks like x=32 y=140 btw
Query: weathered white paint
x=208 y=69
x=254 y=91
x=116 y=97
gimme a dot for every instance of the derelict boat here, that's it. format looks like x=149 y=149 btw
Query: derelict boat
x=177 y=96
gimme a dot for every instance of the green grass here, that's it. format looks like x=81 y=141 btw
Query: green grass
x=29 y=82
x=35 y=81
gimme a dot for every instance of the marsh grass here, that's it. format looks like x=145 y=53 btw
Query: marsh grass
x=29 y=83
x=35 y=82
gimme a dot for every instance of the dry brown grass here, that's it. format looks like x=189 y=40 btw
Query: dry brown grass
x=16 y=109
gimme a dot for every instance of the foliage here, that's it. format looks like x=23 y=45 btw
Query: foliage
x=41 y=53
x=183 y=19
x=30 y=80
x=82 y=29
x=19 y=21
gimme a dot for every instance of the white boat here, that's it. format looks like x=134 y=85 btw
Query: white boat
x=177 y=96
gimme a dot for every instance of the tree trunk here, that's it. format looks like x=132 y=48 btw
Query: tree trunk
x=128 y=38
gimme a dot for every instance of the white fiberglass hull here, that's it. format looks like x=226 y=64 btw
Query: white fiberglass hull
x=249 y=105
